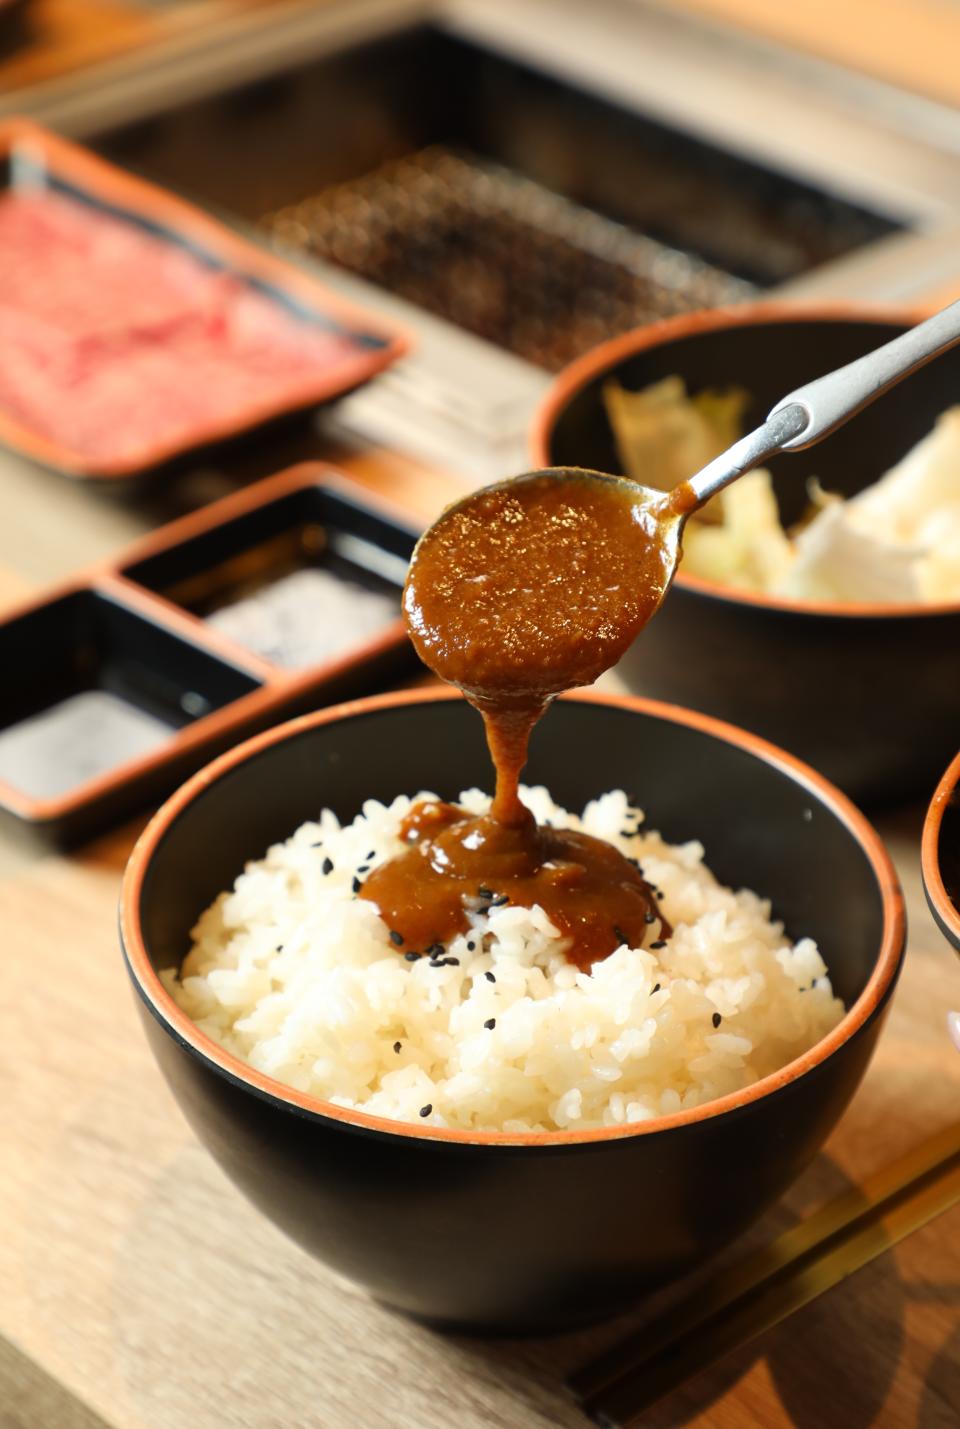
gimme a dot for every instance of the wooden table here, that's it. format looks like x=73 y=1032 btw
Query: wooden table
x=140 y=1291
x=909 y=44
x=64 y=37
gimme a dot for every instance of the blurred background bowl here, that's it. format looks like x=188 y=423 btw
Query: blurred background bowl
x=867 y=694
x=496 y=1231
x=940 y=854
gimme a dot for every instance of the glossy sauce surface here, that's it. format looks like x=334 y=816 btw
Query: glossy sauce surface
x=522 y=591
x=590 y=892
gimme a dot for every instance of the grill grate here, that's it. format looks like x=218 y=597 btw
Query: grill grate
x=499 y=255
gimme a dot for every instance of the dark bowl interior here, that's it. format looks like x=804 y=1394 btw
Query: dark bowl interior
x=870 y=700
x=399 y=1213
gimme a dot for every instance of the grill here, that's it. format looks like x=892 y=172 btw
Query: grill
x=500 y=255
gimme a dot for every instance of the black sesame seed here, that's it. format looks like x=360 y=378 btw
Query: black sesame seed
x=658 y=892
x=356 y=885
x=327 y=866
x=318 y=844
x=471 y=947
x=656 y=987
x=627 y=833
x=717 y=1019
x=660 y=943
x=489 y=977
x=435 y=949
x=619 y=934
x=411 y=957
x=363 y=868
x=396 y=937
x=372 y=853
x=499 y=901
x=279 y=948
x=426 y=1110
x=490 y=1023
x=451 y=962
x=484 y=892
x=397 y=1046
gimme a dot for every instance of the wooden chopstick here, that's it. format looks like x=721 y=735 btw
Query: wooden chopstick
x=751 y=1297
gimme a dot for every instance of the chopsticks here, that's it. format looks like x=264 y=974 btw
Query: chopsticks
x=751 y=1297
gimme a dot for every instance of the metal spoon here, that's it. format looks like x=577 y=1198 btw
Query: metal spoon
x=812 y=412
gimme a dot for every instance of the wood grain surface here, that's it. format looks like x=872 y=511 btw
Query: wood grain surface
x=140 y=1291
x=63 y=37
x=911 y=44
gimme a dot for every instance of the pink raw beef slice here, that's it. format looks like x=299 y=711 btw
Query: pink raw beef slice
x=115 y=343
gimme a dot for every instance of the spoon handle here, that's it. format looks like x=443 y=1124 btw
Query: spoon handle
x=810 y=413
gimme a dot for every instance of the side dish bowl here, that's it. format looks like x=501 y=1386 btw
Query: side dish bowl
x=513 y=1231
x=866 y=692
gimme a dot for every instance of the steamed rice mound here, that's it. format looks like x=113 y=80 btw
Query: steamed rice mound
x=295 y=974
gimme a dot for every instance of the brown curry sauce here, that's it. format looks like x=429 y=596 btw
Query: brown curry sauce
x=522 y=591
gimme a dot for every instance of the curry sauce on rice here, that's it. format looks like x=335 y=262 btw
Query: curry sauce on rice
x=498 y=1029
x=505 y=964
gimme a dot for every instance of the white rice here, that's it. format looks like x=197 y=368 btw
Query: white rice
x=297 y=976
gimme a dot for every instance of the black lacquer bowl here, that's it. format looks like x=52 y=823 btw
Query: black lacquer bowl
x=866 y=693
x=501 y=1231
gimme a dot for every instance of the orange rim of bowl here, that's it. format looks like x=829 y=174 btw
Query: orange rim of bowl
x=943 y=905
x=880 y=982
x=607 y=355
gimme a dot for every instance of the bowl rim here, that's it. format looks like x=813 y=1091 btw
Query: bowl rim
x=941 y=904
x=184 y=1030
x=573 y=378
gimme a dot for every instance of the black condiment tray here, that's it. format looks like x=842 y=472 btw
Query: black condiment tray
x=132 y=633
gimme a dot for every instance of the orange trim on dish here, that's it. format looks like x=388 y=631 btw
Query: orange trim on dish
x=260 y=493
x=609 y=354
x=880 y=981
x=115 y=186
x=930 y=849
